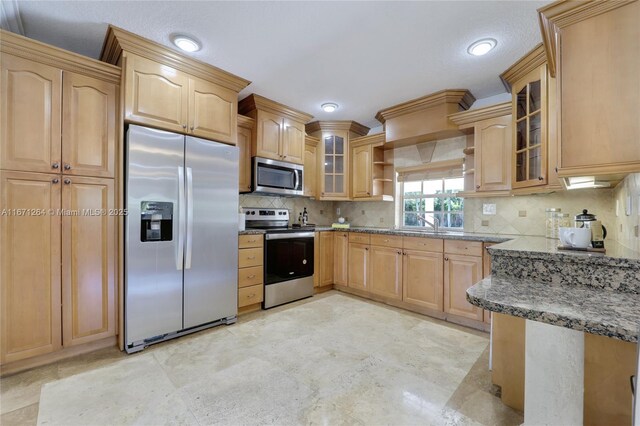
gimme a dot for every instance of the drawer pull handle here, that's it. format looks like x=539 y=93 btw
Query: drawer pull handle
x=251 y=241
x=249 y=296
x=251 y=276
x=251 y=258
x=386 y=241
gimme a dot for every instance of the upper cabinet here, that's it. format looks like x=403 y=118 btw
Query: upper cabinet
x=170 y=91
x=424 y=119
x=311 y=166
x=245 y=131
x=279 y=132
x=371 y=169
x=534 y=140
x=59 y=110
x=334 y=156
x=593 y=50
x=488 y=158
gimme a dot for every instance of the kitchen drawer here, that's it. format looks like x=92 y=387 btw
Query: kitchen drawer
x=470 y=248
x=247 y=241
x=424 y=244
x=250 y=295
x=249 y=257
x=355 y=237
x=250 y=276
x=386 y=240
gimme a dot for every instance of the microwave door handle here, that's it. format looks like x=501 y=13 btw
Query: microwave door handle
x=295 y=173
x=181 y=219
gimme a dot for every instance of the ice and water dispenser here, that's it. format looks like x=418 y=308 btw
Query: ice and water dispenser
x=156 y=221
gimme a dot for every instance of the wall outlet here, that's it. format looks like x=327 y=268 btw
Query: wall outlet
x=321 y=211
x=362 y=212
x=488 y=209
x=627 y=207
x=382 y=220
x=485 y=223
x=522 y=213
x=636 y=231
x=338 y=211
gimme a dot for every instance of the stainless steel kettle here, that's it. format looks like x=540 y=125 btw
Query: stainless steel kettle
x=586 y=219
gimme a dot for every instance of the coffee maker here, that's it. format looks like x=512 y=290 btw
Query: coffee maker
x=598 y=231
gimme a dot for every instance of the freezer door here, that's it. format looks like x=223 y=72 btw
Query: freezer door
x=211 y=250
x=154 y=238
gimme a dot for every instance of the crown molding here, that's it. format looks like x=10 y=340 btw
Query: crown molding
x=118 y=41
x=257 y=102
x=36 y=51
x=311 y=140
x=348 y=125
x=375 y=139
x=471 y=116
x=462 y=97
x=10 y=18
x=246 y=122
x=564 y=13
x=523 y=66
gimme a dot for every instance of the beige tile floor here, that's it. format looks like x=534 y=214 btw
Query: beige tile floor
x=332 y=359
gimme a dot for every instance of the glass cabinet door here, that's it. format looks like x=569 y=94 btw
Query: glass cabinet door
x=530 y=149
x=334 y=165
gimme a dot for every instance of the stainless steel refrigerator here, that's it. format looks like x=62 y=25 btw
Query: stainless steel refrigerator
x=181 y=253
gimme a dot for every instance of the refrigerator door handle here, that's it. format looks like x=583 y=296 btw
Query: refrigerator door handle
x=187 y=262
x=181 y=219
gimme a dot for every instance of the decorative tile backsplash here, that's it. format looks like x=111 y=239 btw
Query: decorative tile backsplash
x=320 y=212
x=627 y=227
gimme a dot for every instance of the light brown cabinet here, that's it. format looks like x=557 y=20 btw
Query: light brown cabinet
x=340 y=258
x=30 y=256
x=361 y=171
x=243 y=142
x=593 y=51
x=88 y=260
x=311 y=167
x=423 y=279
x=371 y=169
x=250 y=273
x=31 y=99
x=460 y=273
x=324 y=266
x=334 y=173
x=492 y=140
x=386 y=272
x=279 y=132
x=358 y=267
x=161 y=96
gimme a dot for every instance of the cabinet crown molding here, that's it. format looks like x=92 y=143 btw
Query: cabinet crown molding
x=118 y=41
x=463 y=97
x=377 y=139
x=524 y=66
x=465 y=118
x=560 y=14
x=351 y=126
x=255 y=101
x=246 y=122
x=311 y=140
x=36 y=51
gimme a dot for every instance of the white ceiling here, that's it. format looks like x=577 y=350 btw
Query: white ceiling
x=364 y=55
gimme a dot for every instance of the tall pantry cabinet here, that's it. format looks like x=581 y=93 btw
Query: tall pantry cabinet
x=57 y=201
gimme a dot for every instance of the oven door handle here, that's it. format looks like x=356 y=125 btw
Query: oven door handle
x=289 y=235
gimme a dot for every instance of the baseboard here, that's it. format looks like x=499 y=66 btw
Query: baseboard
x=318 y=290
x=250 y=308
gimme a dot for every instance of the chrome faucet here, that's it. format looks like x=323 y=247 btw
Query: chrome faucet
x=435 y=225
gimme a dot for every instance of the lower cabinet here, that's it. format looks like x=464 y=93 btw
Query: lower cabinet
x=386 y=272
x=358 y=271
x=460 y=273
x=58 y=267
x=340 y=258
x=423 y=279
x=324 y=265
x=250 y=273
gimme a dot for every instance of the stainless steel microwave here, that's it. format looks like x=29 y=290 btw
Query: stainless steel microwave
x=277 y=177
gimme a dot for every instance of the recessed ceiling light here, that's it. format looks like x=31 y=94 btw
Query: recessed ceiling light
x=186 y=43
x=329 y=107
x=482 y=47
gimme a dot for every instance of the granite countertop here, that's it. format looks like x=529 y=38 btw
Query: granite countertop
x=547 y=249
x=447 y=235
x=251 y=232
x=583 y=308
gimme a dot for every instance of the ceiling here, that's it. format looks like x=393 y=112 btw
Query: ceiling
x=363 y=55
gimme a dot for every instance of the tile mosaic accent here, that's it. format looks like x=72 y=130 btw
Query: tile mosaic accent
x=626 y=229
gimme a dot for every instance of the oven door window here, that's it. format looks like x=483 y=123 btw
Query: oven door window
x=288 y=259
x=272 y=176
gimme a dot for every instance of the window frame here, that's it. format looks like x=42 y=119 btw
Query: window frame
x=429 y=214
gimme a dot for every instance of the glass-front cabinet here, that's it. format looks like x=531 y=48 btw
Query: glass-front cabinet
x=335 y=177
x=530 y=128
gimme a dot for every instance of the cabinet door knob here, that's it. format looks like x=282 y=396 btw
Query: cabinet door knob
x=366 y=248
x=540 y=178
x=55 y=165
x=184 y=126
x=192 y=127
x=399 y=252
x=55 y=180
x=446 y=258
x=477 y=186
x=67 y=166
x=67 y=181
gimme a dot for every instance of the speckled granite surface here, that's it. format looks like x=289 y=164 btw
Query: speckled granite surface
x=583 y=308
x=487 y=238
x=251 y=232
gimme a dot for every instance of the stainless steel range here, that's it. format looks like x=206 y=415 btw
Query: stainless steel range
x=288 y=256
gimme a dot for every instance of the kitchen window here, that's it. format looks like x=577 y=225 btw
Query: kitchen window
x=432 y=192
